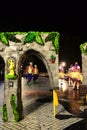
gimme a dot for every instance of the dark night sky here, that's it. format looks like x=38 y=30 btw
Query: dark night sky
x=69 y=19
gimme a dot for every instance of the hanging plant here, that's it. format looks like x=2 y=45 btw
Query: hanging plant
x=14 y=108
x=52 y=58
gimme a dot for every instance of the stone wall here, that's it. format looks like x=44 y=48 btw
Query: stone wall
x=84 y=69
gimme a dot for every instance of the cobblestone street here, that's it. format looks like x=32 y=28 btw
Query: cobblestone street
x=38 y=112
x=42 y=119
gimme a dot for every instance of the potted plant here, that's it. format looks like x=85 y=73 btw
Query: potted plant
x=52 y=58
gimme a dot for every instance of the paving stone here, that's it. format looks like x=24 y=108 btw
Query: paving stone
x=42 y=119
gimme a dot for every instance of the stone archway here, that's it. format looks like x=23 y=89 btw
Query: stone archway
x=31 y=53
x=34 y=53
x=16 y=44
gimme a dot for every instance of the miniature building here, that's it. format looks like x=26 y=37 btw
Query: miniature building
x=14 y=47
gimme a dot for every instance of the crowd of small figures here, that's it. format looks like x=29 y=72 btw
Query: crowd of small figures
x=72 y=78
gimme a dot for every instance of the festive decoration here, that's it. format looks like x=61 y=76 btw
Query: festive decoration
x=14 y=108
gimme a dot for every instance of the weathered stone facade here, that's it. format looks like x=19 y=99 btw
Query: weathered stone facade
x=83 y=48
x=18 y=51
x=84 y=69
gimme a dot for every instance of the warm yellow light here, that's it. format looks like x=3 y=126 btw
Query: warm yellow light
x=63 y=64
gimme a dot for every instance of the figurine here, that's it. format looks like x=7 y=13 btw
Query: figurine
x=11 y=67
x=35 y=73
x=76 y=76
x=29 y=72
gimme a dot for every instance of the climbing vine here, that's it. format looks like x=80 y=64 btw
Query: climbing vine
x=4 y=111
x=14 y=108
x=83 y=48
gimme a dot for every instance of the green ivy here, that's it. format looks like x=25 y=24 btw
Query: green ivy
x=83 y=50
x=14 y=108
x=54 y=37
x=4 y=111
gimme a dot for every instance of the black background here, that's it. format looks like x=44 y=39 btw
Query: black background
x=67 y=18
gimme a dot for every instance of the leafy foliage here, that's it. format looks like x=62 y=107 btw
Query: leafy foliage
x=5 y=37
x=54 y=37
x=14 y=108
x=13 y=77
x=83 y=48
x=11 y=37
x=4 y=111
x=55 y=44
x=52 y=57
x=33 y=36
x=30 y=37
x=38 y=39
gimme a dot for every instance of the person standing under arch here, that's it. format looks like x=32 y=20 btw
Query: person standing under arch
x=29 y=72
x=35 y=73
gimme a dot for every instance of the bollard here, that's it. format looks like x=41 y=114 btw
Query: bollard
x=86 y=97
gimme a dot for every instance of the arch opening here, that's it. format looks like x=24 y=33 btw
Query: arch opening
x=42 y=84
